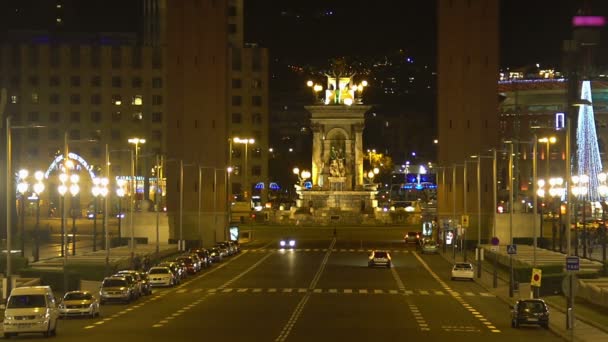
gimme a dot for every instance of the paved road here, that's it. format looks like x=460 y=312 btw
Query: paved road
x=321 y=291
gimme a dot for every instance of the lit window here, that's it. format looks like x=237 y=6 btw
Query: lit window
x=137 y=100
x=559 y=121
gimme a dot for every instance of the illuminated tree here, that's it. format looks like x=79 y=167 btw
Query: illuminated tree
x=587 y=153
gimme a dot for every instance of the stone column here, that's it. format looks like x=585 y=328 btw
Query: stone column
x=358 y=129
x=349 y=164
x=317 y=161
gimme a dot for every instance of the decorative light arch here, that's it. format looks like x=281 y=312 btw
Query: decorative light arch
x=59 y=159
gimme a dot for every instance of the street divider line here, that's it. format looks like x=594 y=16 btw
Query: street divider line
x=300 y=307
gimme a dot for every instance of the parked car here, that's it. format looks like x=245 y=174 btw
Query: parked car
x=234 y=246
x=379 y=258
x=215 y=254
x=191 y=265
x=177 y=270
x=228 y=250
x=223 y=249
x=141 y=284
x=463 y=270
x=530 y=311
x=79 y=303
x=197 y=261
x=115 y=288
x=203 y=254
x=30 y=309
x=134 y=284
x=161 y=276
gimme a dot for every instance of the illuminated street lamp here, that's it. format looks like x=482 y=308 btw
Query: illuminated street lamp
x=74 y=189
x=579 y=190
x=22 y=188
x=120 y=192
x=62 y=189
x=247 y=142
x=103 y=192
x=38 y=189
x=603 y=192
x=96 y=191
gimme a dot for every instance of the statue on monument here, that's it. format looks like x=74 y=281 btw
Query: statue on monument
x=336 y=165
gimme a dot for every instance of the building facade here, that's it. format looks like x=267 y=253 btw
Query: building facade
x=467 y=75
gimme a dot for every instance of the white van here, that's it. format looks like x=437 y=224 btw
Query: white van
x=30 y=309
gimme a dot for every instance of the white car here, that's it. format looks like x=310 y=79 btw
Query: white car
x=161 y=276
x=79 y=303
x=463 y=270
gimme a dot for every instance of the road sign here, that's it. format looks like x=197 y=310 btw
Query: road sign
x=566 y=285
x=464 y=219
x=495 y=241
x=536 y=277
x=512 y=249
x=572 y=263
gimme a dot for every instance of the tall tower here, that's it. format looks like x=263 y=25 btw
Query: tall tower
x=197 y=74
x=467 y=81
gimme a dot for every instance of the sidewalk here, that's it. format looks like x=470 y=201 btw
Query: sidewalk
x=557 y=324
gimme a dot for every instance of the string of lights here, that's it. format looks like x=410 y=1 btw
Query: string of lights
x=588 y=154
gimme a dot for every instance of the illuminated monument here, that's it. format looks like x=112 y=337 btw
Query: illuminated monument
x=336 y=191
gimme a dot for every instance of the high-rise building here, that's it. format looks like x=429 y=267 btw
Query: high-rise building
x=248 y=104
x=197 y=139
x=467 y=75
x=97 y=89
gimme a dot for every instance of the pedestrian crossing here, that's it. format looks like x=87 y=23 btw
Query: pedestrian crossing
x=324 y=250
x=331 y=291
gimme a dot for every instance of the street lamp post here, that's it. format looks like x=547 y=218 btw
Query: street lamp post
x=120 y=193
x=245 y=141
x=103 y=192
x=74 y=189
x=603 y=192
x=22 y=188
x=548 y=141
x=95 y=191
x=38 y=189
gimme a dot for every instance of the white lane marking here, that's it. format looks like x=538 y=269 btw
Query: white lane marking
x=362 y=290
x=348 y=291
x=302 y=290
x=287 y=290
x=454 y=294
x=227 y=290
x=317 y=290
x=246 y=271
x=376 y=291
x=257 y=290
x=300 y=307
x=333 y=290
x=272 y=290
x=242 y=290
x=181 y=291
x=398 y=280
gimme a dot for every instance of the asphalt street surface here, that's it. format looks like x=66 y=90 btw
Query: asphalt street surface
x=321 y=290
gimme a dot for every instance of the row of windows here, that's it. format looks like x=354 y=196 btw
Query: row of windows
x=32 y=56
x=96 y=99
x=256 y=100
x=96 y=117
x=256 y=118
x=93 y=152
x=256 y=170
x=75 y=134
x=255 y=153
x=95 y=81
x=237 y=83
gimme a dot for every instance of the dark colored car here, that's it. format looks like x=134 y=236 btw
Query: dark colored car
x=530 y=311
x=412 y=237
x=203 y=254
x=215 y=254
x=191 y=265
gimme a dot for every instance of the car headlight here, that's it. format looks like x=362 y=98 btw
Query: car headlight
x=9 y=318
x=282 y=243
x=292 y=243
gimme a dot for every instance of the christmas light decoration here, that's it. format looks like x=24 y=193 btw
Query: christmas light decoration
x=587 y=153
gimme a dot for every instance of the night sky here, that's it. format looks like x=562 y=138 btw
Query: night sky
x=531 y=31
x=312 y=31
